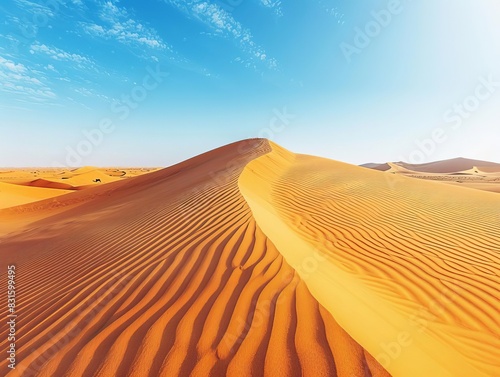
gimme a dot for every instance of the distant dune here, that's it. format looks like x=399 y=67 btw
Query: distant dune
x=48 y=184
x=451 y=166
x=54 y=182
x=475 y=174
x=13 y=195
x=381 y=167
x=488 y=169
x=250 y=260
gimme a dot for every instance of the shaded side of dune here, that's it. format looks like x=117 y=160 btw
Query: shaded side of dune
x=48 y=184
x=375 y=166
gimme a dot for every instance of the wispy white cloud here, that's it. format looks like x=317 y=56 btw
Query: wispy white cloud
x=72 y=100
x=9 y=65
x=87 y=92
x=51 y=63
x=50 y=67
x=224 y=24
x=61 y=55
x=32 y=16
x=111 y=12
x=331 y=8
x=16 y=78
x=39 y=9
x=274 y=5
x=119 y=25
x=26 y=18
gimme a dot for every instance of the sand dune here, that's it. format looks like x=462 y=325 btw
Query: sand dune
x=54 y=182
x=487 y=169
x=13 y=195
x=77 y=179
x=450 y=166
x=166 y=274
x=40 y=182
x=485 y=177
x=375 y=166
x=414 y=262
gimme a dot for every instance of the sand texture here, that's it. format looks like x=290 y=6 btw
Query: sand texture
x=166 y=274
x=414 y=263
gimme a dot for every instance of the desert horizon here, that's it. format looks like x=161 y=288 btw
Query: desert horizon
x=29 y=184
x=373 y=165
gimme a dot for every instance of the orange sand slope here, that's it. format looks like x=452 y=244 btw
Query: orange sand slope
x=414 y=263
x=165 y=274
x=462 y=172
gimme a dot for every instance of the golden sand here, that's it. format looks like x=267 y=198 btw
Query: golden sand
x=250 y=260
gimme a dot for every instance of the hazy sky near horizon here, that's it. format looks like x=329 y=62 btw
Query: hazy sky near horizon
x=151 y=83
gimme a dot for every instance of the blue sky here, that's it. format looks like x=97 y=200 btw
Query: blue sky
x=154 y=82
